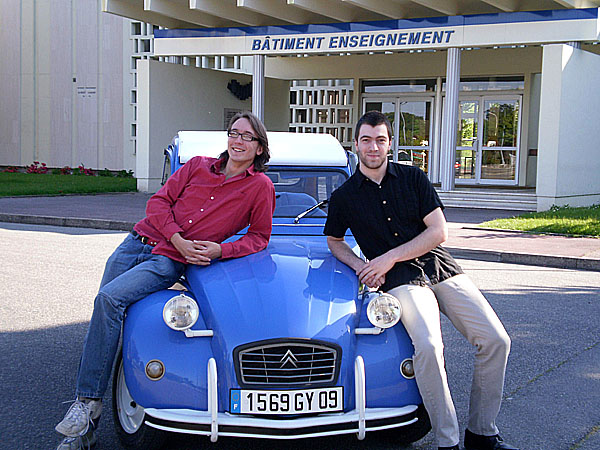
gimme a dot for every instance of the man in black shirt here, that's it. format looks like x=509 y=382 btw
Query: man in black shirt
x=396 y=217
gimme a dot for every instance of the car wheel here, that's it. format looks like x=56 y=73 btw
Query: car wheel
x=129 y=417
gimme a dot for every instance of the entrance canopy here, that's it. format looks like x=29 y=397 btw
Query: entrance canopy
x=484 y=30
x=243 y=13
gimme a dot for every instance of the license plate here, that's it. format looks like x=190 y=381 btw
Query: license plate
x=304 y=401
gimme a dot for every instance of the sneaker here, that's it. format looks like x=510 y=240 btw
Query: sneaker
x=84 y=442
x=77 y=419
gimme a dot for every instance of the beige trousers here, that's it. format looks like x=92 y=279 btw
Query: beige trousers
x=468 y=310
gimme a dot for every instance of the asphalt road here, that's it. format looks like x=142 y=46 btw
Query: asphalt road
x=49 y=277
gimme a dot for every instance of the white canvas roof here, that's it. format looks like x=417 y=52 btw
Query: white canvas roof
x=288 y=149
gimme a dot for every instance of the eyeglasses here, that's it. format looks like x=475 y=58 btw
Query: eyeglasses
x=245 y=136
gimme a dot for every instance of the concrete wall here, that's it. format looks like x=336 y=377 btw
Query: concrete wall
x=172 y=97
x=569 y=150
x=60 y=84
x=10 y=83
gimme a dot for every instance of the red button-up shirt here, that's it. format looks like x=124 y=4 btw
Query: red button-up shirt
x=197 y=202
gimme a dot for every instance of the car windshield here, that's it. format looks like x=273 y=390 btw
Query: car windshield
x=297 y=190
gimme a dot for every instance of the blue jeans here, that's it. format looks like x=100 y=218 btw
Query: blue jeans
x=131 y=273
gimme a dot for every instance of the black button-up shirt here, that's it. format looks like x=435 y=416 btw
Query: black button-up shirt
x=384 y=216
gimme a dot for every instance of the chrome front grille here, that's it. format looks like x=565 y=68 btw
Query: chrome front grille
x=287 y=364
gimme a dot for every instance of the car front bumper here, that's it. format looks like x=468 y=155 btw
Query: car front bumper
x=214 y=423
x=200 y=422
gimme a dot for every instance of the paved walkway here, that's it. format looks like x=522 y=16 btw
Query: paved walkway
x=121 y=211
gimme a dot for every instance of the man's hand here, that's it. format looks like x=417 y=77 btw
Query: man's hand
x=196 y=252
x=209 y=249
x=370 y=281
x=372 y=273
x=342 y=251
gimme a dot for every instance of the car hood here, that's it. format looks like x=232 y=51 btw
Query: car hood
x=293 y=289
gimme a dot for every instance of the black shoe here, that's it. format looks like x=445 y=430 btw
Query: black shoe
x=478 y=442
x=454 y=447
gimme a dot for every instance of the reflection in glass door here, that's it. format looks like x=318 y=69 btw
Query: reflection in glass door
x=488 y=152
x=414 y=126
x=387 y=107
x=500 y=139
x=465 y=166
x=411 y=124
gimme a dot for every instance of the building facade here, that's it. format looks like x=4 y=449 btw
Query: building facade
x=491 y=99
x=483 y=103
x=490 y=106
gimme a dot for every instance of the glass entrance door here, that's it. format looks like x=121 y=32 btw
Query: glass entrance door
x=387 y=107
x=414 y=129
x=467 y=141
x=500 y=139
x=488 y=140
x=411 y=123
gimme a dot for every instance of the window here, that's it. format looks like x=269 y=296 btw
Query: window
x=298 y=190
x=399 y=86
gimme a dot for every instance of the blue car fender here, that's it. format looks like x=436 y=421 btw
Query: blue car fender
x=146 y=337
x=383 y=355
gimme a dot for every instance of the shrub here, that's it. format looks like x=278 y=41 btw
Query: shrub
x=82 y=170
x=125 y=174
x=105 y=173
x=36 y=167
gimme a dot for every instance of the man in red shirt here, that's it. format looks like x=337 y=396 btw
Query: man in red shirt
x=205 y=202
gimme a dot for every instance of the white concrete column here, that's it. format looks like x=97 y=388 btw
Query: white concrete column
x=258 y=86
x=568 y=163
x=434 y=157
x=28 y=82
x=146 y=182
x=450 y=120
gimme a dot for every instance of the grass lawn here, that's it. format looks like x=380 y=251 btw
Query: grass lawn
x=12 y=184
x=560 y=220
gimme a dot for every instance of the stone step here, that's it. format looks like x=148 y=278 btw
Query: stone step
x=490 y=200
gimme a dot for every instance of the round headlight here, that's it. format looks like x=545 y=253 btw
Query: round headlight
x=384 y=311
x=181 y=312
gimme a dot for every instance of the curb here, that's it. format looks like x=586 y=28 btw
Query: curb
x=542 y=233
x=100 y=224
x=561 y=262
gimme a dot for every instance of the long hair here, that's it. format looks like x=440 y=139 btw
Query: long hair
x=260 y=161
x=373 y=118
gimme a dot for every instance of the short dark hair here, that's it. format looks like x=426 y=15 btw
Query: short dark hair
x=260 y=161
x=373 y=118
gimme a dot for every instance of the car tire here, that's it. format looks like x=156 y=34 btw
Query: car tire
x=128 y=417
